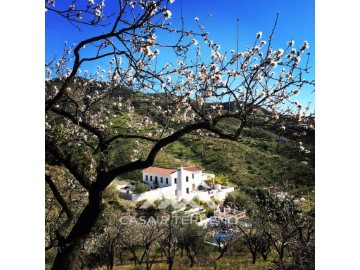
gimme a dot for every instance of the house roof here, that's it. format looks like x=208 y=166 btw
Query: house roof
x=158 y=170
x=192 y=169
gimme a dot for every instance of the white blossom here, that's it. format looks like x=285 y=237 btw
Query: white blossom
x=131 y=80
x=168 y=79
x=167 y=14
x=280 y=52
x=291 y=43
x=231 y=72
x=296 y=59
x=147 y=51
x=305 y=46
x=273 y=64
x=97 y=12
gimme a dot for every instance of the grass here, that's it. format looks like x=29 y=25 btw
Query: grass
x=204 y=263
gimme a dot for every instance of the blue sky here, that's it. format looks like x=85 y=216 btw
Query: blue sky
x=296 y=21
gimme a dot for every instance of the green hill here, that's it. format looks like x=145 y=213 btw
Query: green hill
x=257 y=159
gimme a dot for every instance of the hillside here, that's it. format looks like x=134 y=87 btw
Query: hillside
x=256 y=159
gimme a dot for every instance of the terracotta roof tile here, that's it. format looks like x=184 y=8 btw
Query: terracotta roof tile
x=158 y=170
x=192 y=169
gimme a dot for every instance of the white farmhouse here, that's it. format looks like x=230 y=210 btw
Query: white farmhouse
x=180 y=181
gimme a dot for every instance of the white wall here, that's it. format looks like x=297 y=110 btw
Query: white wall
x=206 y=196
x=159 y=177
x=197 y=178
x=156 y=194
x=179 y=190
x=191 y=185
x=127 y=196
x=169 y=193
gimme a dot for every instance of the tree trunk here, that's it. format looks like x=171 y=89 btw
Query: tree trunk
x=120 y=257
x=111 y=256
x=281 y=258
x=135 y=258
x=192 y=262
x=264 y=256
x=191 y=257
x=171 y=263
x=253 y=254
x=69 y=247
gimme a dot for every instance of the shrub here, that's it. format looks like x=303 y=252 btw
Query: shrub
x=209 y=211
x=140 y=187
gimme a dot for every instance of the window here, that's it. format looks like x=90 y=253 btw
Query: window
x=151 y=178
x=187 y=178
x=161 y=180
x=192 y=176
x=175 y=180
x=187 y=190
x=167 y=181
x=146 y=177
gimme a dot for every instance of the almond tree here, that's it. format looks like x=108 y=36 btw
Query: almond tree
x=289 y=226
x=150 y=234
x=89 y=115
x=255 y=238
x=192 y=239
x=130 y=238
x=169 y=242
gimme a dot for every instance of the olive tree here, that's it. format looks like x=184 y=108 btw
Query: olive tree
x=89 y=114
